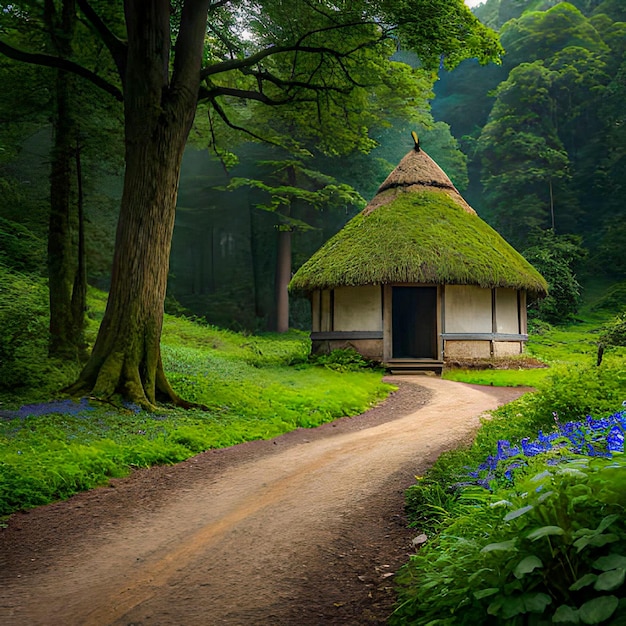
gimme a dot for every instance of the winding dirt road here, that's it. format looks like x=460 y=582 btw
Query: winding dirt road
x=306 y=529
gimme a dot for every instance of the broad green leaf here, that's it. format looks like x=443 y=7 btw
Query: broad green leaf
x=601 y=540
x=536 y=602
x=527 y=565
x=595 y=540
x=513 y=606
x=502 y=545
x=495 y=606
x=571 y=471
x=537 y=477
x=611 y=561
x=545 y=531
x=583 y=581
x=598 y=609
x=565 y=615
x=493 y=505
x=485 y=593
x=517 y=513
x=607 y=521
x=545 y=496
x=608 y=581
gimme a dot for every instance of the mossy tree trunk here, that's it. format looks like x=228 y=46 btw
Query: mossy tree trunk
x=126 y=357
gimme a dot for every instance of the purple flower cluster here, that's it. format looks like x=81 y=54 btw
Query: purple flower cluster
x=62 y=407
x=590 y=437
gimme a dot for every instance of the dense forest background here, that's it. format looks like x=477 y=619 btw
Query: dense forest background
x=537 y=145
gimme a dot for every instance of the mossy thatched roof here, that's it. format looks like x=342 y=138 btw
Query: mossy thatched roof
x=417 y=229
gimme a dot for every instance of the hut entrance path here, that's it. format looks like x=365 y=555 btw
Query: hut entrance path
x=306 y=529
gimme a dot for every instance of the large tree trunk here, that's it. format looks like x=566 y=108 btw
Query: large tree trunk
x=126 y=357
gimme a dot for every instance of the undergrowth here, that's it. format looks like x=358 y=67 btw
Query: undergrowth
x=255 y=387
x=524 y=527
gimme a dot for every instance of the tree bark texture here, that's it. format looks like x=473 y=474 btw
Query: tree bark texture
x=283 y=276
x=159 y=111
x=66 y=275
x=283 y=265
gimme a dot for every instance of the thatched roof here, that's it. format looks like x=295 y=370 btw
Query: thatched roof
x=417 y=229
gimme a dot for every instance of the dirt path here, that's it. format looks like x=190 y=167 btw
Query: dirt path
x=306 y=529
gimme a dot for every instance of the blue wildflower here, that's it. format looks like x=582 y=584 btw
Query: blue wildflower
x=615 y=439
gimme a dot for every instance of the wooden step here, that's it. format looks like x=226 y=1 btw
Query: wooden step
x=408 y=366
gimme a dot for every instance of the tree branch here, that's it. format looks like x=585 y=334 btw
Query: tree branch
x=46 y=60
x=116 y=47
x=289 y=84
x=237 y=64
x=228 y=123
x=243 y=94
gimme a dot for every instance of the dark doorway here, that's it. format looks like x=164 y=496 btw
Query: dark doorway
x=414 y=322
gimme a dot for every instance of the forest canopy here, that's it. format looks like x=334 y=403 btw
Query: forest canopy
x=303 y=76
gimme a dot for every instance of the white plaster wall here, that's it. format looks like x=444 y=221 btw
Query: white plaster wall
x=507 y=318
x=358 y=308
x=468 y=309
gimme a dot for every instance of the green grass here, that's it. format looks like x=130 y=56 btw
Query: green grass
x=499 y=378
x=256 y=387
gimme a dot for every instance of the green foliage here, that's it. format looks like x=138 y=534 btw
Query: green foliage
x=448 y=22
x=24 y=361
x=521 y=377
x=20 y=249
x=341 y=360
x=613 y=334
x=556 y=123
x=256 y=387
x=613 y=299
x=565 y=393
x=556 y=257
x=419 y=237
x=290 y=184
x=551 y=545
x=571 y=392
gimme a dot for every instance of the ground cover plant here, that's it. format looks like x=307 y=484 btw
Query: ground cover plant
x=527 y=525
x=254 y=387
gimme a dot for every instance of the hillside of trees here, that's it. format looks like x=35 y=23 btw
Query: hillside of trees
x=544 y=133
x=536 y=144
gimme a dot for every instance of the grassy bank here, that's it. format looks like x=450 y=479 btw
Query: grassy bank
x=256 y=387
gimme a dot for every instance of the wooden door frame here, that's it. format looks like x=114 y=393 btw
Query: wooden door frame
x=388 y=318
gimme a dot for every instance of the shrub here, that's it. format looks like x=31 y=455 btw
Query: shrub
x=341 y=360
x=547 y=540
x=551 y=548
x=20 y=249
x=613 y=334
x=23 y=328
x=556 y=257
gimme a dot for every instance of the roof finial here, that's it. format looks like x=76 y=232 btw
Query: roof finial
x=416 y=140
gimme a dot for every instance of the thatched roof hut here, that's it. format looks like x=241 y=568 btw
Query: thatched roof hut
x=417 y=277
